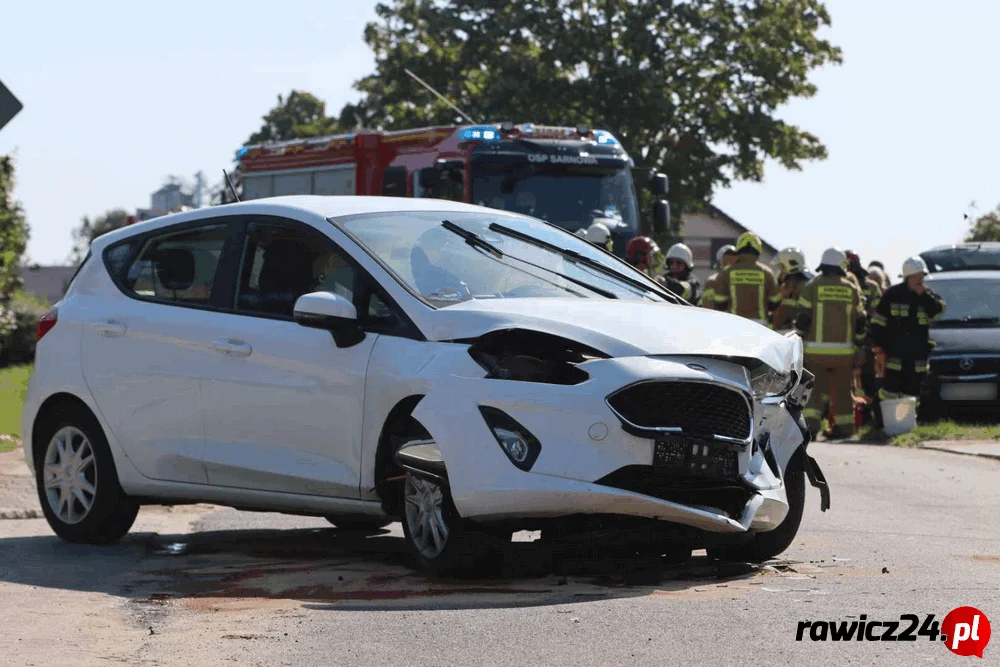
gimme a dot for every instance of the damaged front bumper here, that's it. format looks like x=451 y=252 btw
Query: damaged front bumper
x=584 y=443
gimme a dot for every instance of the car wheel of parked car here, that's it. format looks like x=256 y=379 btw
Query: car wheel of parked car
x=438 y=536
x=358 y=525
x=767 y=545
x=77 y=481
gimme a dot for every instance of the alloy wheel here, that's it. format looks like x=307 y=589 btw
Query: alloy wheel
x=428 y=528
x=70 y=475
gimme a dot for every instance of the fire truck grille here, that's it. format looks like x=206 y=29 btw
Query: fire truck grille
x=696 y=408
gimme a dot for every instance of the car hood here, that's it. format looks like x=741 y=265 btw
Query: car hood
x=972 y=340
x=622 y=328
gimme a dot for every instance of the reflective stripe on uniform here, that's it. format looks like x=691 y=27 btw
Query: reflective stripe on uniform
x=940 y=312
x=879 y=320
x=790 y=302
x=920 y=366
x=830 y=351
x=805 y=303
x=894 y=364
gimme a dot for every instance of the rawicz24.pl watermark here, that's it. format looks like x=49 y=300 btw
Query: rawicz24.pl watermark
x=965 y=631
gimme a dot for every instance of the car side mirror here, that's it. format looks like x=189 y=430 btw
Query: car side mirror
x=661 y=217
x=660 y=184
x=326 y=310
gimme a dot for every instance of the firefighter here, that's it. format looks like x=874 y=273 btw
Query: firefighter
x=747 y=287
x=643 y=253
x=900 y=330
x=832 y=323
x=791 y=281
x=679 y=279
x=599 y=234
x=884 y=277
x=724 y=257
x=871 y=290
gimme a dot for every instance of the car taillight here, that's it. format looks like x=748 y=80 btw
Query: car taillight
x=45 y=323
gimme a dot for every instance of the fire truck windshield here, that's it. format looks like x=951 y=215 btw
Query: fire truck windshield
x=570 y=197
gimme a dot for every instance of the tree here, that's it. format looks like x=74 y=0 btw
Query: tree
x=13 y=231
x=690 y=88
x=89 y=230
x=299 y=115
x=985 y=227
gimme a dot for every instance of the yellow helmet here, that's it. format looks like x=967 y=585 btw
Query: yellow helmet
x=749 y=240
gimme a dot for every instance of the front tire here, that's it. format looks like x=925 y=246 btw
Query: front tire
x=767 y=545
x=77 y=481
x=439 y=538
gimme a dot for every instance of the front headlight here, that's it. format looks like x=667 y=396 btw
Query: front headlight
x=766 y=382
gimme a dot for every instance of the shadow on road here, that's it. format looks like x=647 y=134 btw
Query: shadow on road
x=325 y=568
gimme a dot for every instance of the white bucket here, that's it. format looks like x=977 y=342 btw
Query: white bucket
x=899 y=415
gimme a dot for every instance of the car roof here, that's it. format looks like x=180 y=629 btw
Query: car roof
x=964 y=275
x=977 y=245
x=332 y=206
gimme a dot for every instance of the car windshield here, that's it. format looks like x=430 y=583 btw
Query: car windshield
x=968 y=299
x=570 y=197
x=963 y=259
x=449 y=257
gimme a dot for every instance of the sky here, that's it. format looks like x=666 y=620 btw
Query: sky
x=117 y=95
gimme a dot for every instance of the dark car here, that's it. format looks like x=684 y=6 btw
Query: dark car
x=965 y=363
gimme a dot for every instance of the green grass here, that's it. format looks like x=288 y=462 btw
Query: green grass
x=943 y=430
x=13 y=385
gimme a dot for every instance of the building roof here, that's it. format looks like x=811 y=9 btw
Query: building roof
x=722 y=215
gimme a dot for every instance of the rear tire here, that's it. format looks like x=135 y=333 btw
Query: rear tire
x=440 y=540
x=765 y=546
x=77 y=481
x=358 y=525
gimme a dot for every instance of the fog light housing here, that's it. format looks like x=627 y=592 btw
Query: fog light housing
x=517 y=442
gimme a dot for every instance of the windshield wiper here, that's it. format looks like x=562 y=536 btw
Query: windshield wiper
x=583 y=259
x=473 y=239
x=478 y=242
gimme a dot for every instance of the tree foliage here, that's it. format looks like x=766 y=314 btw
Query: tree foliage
x=298 y=115
x=13 y=230
x=691 y=88
x=89 y=230
x=985 y=228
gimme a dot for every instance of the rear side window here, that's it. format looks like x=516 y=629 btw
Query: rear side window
x=177 y=267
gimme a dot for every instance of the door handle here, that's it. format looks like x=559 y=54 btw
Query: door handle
x=232 y=347
x=111 y=328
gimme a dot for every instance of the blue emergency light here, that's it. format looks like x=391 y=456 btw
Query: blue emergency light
x=606 y=138
x=241 y=152
x=479 y=133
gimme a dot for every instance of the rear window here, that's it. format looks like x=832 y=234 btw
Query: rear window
x=176 y=267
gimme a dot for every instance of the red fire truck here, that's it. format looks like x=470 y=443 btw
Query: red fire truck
x=567 y=176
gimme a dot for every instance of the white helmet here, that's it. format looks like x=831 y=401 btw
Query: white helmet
x=582 y=233
x=723 y=251
x=792 y=260
x=913 y=266
x=833 y=257
x=681 y=252
x=598 y=233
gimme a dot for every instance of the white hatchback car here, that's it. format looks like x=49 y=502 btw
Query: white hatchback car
x=465 y=370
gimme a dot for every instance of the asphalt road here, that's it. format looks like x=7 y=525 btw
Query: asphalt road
x=910 y=532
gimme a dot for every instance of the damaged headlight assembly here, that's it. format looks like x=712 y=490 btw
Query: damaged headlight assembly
x=767 y=383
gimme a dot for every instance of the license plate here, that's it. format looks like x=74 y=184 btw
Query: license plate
x=695 y=457
x=969 y=391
